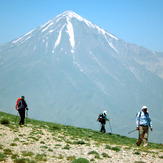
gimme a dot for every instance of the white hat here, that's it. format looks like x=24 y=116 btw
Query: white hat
x=144 y=107
x=105 y=112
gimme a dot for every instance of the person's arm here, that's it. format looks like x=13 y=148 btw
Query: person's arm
x=150 y=123
x=137 y=121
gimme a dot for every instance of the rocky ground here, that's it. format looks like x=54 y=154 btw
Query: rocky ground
x=34 y=144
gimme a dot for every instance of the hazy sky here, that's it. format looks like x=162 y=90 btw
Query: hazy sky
x=135 y=21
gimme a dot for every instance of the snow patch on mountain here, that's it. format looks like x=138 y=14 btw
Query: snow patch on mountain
x=23 y=37
x=58 y=39
x=70 y=31
x=71 y=14
x=47 y=27
x=104 y=32
x=110 y=43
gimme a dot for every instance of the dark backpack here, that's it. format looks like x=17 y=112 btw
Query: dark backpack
x=140 y=114
x=100 y=117
x=22 y=104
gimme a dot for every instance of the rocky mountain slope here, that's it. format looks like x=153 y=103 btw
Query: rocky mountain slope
x=40 y=141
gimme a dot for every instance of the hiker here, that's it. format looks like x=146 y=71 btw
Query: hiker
x=21 y=106
x=102 y=118
x=143 y=122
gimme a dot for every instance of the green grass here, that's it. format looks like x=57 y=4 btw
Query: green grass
x=105 y=155
x=42 y=142
x=14 y=156
x=66 y=147
x=108 y=146
x=13 y=144
x=79 y=142
x=27 y=153
x=160 y=157
x=76 y=133
x=1 y=146
x=71 y=158
x=137 y=153
x=23 y=160
x=2 y=157
x=16 y=139
x=40 y=157
x=7 y=151
x=45 y=147
x=80 y=160
x=93 y=152
x=117 y=148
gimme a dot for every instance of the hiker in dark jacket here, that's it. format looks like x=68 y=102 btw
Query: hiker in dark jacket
x=103 y=118
x=21 y=106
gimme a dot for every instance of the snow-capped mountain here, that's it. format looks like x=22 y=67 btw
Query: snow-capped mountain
x=70 y=70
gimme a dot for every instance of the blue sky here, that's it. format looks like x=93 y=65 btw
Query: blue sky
x=135 y=21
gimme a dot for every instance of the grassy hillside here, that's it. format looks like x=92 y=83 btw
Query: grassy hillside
x=50 y=142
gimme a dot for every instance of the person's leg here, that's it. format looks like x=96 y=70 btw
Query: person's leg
x=145 y=136
x=141 y=135
x=102 y=127
x=20 y=113
x=23 y=116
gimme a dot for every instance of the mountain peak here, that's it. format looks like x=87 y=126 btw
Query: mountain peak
x=70 y=14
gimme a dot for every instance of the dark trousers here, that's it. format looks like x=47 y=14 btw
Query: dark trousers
x=22 y=116
x=103 y=127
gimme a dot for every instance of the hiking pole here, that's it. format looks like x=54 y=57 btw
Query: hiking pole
x=132 y=131
x=110 y=126
x=26 y=115
x=16 y=118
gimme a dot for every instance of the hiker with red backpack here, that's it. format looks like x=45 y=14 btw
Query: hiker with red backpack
x=102 y=118
x=143 y=122
x=21 y=106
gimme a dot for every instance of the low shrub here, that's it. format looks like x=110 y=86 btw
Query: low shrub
x=93 y=152
x=1 y=146
x=108 y=147
x=27 y=153
x=160 y=157
x=40 y=157
x=55 y=127
x=45 y=147
x=105 y=155
x=80 y=160
x=13 y=144
x=7 y=152
x=66 y=147
x=14 y=156
x=5 y=121
x=79 y=142
x=137 y=153
x=2 y=157
x=16 y=139
x=117 y=148
x=42 y=142
x=23 y=160
x=71 y=158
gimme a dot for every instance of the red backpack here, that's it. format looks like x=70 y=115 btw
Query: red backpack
x=17 y=103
